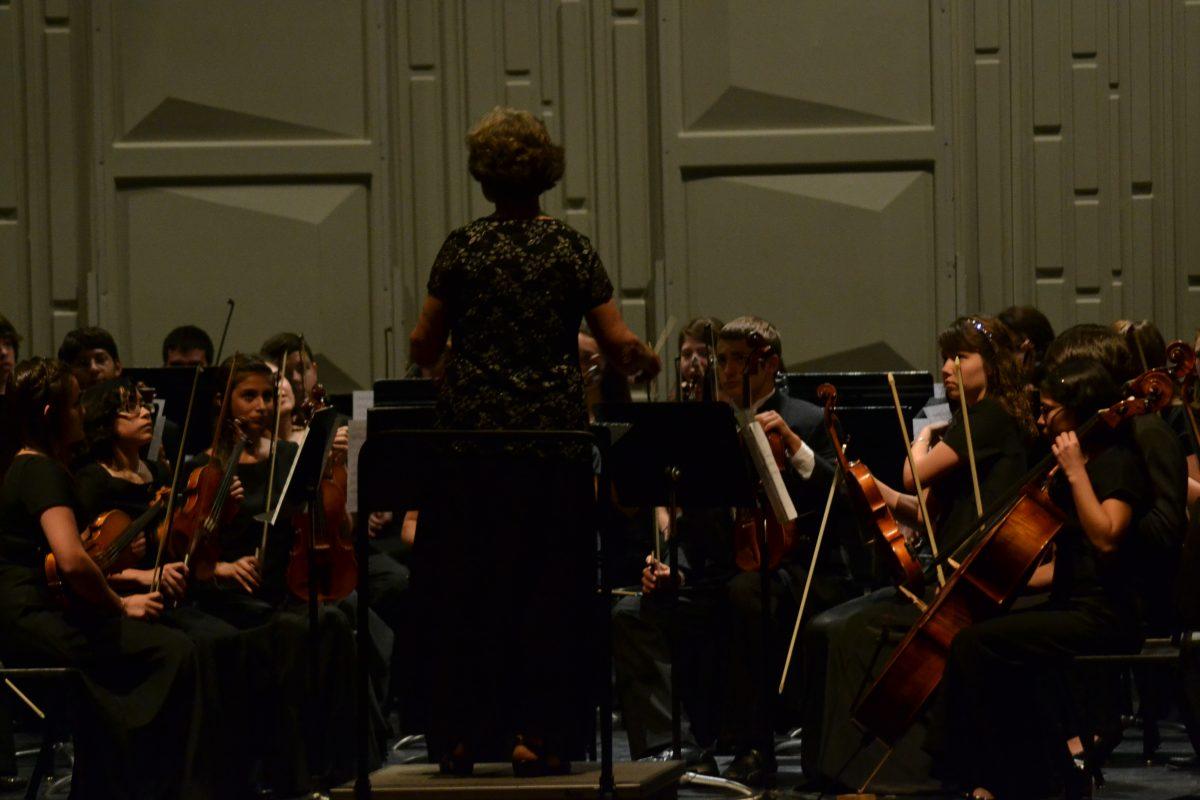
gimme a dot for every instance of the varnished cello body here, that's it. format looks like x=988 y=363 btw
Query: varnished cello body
x=989 y=579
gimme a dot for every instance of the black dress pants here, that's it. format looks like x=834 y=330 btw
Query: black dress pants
x=1007 y=703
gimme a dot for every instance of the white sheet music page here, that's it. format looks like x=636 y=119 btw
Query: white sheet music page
x=756 y=442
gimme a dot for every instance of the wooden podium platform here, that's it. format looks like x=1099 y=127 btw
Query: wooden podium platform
x=656 y=780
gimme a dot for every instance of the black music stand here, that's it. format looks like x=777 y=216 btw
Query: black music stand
x=674 y=455
x=174 y=385
x=394 y=474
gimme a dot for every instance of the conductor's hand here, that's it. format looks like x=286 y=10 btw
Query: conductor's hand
x=656 y=577
x=773 y=423
x=244 y=572
x=640 y=361
x=142 y=606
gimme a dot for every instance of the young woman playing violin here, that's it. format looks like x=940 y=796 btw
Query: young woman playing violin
x=249 y=592
x=843 y=643
x=1005 y=672
x=136 y=723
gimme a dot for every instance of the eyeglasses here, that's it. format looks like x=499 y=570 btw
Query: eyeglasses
x=1047 y=412
x=133 y=405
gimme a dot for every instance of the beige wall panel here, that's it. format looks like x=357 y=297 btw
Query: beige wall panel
x=992 y=154
x=1087 y=246
x=10 y=119
x=256 y=244
x=428 y=160
x=1187 y=177
x=12 y=276
x=65 y=167
x=801 y=250
x=520 y=37
x=632 y=156
x=1048 y=205
x=1138 y=91
x=1084 y=33
x=575 y=56
x=875 y=71
x=1047 y=35
x=1141 y=283
x=1086 y=125
x=422 y=33
x=230 y=70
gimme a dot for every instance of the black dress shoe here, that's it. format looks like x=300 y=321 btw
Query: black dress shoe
x=694 y=757
x=750 y=768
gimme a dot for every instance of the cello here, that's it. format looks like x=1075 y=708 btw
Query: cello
x=1006 y=546
x=323 y=549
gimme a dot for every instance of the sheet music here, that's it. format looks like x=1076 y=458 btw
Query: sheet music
x=768 y=471
x=363 y=400
x=287 y=484
x=160 y=422
x=358 y=435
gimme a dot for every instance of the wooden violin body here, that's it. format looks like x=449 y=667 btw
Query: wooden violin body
x=753 y=525
x=1013 y=543
x=323 y=547
x=207 y=507
x=108 y=539
x=873 y=513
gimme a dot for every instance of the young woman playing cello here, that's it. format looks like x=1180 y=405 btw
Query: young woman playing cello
x=842 y=643
x=1004 y=673
x=139 y=697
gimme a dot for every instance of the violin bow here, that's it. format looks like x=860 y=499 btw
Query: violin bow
x=658 y=347
x=812 y=568
x=178 y=472
x=962 y=403
x=262 y=547
x=225 y=331
x=912 y=465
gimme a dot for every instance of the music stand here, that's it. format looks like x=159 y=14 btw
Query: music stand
x=174 y=385
x=673 y=455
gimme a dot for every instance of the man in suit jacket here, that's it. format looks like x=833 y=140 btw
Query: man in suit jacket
x=807 y=475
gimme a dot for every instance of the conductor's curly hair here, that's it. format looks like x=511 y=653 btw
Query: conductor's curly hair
x=512 y=156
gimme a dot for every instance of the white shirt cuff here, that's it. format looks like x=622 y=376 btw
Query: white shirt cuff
x=804 y=461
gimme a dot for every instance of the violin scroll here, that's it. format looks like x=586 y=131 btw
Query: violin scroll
x=1181 y=362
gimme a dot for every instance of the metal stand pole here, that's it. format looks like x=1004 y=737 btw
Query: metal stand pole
x=673 y=551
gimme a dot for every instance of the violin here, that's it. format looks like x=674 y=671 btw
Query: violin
x=869 y=506
x=108 y=538
x=192 y=538
x=323 y=548
x=1007 y=546
x=758 y=526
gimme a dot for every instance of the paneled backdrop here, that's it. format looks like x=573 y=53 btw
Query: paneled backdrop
x=857 y=171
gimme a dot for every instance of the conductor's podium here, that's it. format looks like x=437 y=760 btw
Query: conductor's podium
x=655 y=780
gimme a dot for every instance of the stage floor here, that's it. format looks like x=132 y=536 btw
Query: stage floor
x=1128 y=778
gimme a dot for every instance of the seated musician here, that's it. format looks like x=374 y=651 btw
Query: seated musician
x=92 y=355
x=849 y=644
x=10 y=351
x=388 y=577
x=187 y=346
x=137 y=713
x=249 y=592
x=713 y=587
x=1005 y=673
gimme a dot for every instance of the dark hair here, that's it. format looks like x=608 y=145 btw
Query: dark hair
x=1030 y=323
x=88 y=338
x=274 y=348
x=739 y=330
x=1092 y=341
x=247 y=365
x=101 y=404
x=997 y=345
x=512 y=156
x=188 y=337
x=36 y=383
x=1083 y=386
x=702 y=329
x=9 y=333
x=1147 y=348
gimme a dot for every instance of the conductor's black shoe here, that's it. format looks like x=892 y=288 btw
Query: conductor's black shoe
x=1191 y=762
x=697 y=759
x=750 y=768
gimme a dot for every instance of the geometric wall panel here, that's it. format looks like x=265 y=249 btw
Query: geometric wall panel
x=804 y=251
x=292 y=257
x=873 y=71
x=214 y=70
